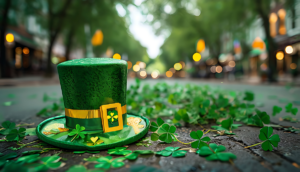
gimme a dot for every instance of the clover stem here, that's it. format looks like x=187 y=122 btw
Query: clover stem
x=253 y=145
x=181 y=141
x=207 y=131
x=74 y=137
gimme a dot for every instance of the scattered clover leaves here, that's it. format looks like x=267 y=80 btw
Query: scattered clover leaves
x=134 y=155
x=276 y=110
x=269 y=141
x=227 y=125
x=119 y=151
x=261 y=118
x=78 y=132
x=48 y=162
x=289 y=108
x=215 y=152
x=28 y=159
x=249 y=96
x=16 y=135
x=172 y=151
x=155 y=126
x=200 y=142
x=162 y=131
x=107 y=162
x=7 y=127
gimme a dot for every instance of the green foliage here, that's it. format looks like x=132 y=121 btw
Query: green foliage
x=172 y=151
x=5 y=157
x=289 y=108
x=269 y=141
x=215 y=152
x=81 y=152
x=16 y=135
x=227 y=125
x=146 y=142
x=28 y=158
x=162 y=131
x=78 y=132
x=276 y=110
x=249 y=96
x=107 y=162
x=48 y=162
x=119 y=151
x=261 y=118
x=7 y=127
x=200 y=142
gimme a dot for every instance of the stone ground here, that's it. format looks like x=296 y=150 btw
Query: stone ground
x=28 y=101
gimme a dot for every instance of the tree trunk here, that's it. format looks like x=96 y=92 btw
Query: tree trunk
x=4 y=65
x=49 y=69
x=271 y=44
x=69 y=42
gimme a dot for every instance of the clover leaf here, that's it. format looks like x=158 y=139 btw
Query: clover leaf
x=16 y=135
x=269 y=141
x=261 y=118
x=249 y=96
x=166 y=132
x=154 y=126
x=134 y=155
x=5 y=157
x=107 y=162
x=289 y=108
x=28 y=158
x=119 y=151
x=112 y=116
x=215 y=152
x=78 y=132
x=48 y=162
x=276 y=110
x=172 y=151
x=227 y=125
x=77 y=168
x=7 y=127
x=200 y=141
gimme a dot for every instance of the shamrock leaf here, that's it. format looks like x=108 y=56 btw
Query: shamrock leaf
x=249 y=96
x=107 y=162
x=261 y=118
x=77 y=168
x=200 y=142
x=172 y=151
x=289 y=108
x=28 y=158
x=5 y=157
x=269 y=141
x=276 y=110
x=166 y=132
x=132 y=156
x=48 y=162
x=17 y=135
x=7 y=127
x=182 y=114
x=119 y=151
x=112 y=116
x=227 y=125
x=154 y=126
x=77 y=132
x=215 y=152
x=80 y=152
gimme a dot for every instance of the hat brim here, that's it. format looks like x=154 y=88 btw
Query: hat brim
x=110 y=140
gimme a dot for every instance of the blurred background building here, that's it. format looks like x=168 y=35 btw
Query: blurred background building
x=253 y=40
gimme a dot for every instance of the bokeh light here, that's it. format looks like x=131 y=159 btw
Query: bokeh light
x=200 y=45
x=129 y=64
x=18 y=50
x=182 y=64
x=197 y=57
x=25 y=50
x=142 y=65
x=172 y=70
x=117 y=56
x=231 y=64
x=289 y=49
x=97 y=39
x=154 y=74
x=213 y=69
x=219 y=69
x=54 y=60
x=10 y=37
x=136 y=68
x=263 y=66
x=293 y=66
x=177 y=66
x=169 y=74
x=143 y=73
x=279 y=55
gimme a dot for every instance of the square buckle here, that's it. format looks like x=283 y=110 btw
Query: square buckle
x=103 y=113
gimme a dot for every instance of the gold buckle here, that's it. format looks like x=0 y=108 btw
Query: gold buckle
x=103 y=113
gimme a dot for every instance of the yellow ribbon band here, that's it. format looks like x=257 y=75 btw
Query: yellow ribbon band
x=87 y=114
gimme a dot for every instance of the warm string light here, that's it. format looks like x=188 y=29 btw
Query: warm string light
x=10 y=37
x=197 y=57
x=169 y=74
x=279 y=55
x=117 y=56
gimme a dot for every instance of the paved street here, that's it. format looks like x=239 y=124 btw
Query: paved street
x=28 y=100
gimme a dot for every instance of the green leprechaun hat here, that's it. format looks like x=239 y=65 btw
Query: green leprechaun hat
x=94 y=93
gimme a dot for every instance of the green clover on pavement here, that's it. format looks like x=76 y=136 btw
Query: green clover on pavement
x=215 y=152
x=249 y=96
x=78 y=132
x=200 y=142
x=107 y=162
x=172 y=151
x=276 y=110
x=269 y=141
x=7 y=127
x=28 y=158
x=134 y=155
x=289 y=108
x=227 y=125
x=166 y=132
x=48 y=162
x=16 y=135
x=261 y=118
x=119 y=151
x=155 y=126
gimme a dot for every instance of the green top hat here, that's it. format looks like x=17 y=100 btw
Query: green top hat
x=90 y=83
